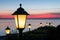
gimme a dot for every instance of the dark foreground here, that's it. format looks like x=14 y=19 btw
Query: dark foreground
x=42 y=33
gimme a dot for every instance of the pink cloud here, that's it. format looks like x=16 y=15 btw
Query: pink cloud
x=46 y=15
x=49 y=15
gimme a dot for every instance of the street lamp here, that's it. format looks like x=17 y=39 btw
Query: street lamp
x=47 y=24
x=29 y=26
x=20 y=19
x=41 y=24
x=8 y=31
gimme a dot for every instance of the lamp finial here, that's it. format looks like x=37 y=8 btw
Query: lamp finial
x=20 y=5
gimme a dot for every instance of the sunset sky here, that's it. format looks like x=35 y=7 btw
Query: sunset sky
x=40 y=7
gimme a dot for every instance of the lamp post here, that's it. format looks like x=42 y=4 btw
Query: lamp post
x=8 y=31
x=20 y=19
x=29 y=26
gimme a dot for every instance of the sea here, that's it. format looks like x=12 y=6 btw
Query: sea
x=35 y=23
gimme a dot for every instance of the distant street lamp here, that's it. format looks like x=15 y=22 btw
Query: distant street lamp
x=29 y=26
x=47 y=24
x=8 y=31
x=41 y=24
x=20 y=19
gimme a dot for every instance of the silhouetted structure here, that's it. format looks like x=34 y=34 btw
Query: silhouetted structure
x=58 y=32
x=41 y=33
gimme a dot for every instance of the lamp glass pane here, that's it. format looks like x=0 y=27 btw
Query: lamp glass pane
x=7 y=31
x=29 y=26
x=22 y=21
x=16 y=20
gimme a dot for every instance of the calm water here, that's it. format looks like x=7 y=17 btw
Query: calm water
x=34 y=22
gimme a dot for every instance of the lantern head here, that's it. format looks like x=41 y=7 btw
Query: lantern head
x=20 y=17
x=41 y=24
x=7 y=30
x=29 y=25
